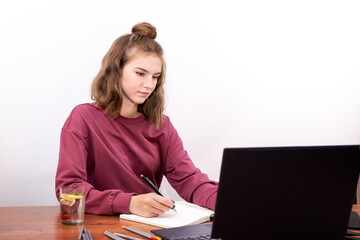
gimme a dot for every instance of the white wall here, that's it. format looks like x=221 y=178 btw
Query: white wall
x=240 y=73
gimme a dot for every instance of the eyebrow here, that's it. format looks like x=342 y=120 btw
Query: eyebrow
x=142 y=69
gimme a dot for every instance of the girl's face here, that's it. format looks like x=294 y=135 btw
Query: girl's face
x=139 y=78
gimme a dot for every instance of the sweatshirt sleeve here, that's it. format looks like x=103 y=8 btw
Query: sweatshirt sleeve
x=72 y=168
x=191 y=184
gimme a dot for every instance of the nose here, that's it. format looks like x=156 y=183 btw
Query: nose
x=149 y=82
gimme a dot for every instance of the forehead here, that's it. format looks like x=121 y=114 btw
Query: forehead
x=149 y=61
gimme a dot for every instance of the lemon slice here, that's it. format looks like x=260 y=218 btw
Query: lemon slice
x=73 y=196
x=66 y=196
x=67 y=201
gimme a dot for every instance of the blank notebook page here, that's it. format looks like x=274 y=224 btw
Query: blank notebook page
x=187 y=214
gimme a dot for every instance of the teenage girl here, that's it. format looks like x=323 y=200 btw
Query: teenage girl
x=109 y=143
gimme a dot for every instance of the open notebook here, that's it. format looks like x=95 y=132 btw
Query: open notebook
x=187 y=214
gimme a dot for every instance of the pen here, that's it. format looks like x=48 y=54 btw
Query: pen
x=155 y=189
x=142 y=233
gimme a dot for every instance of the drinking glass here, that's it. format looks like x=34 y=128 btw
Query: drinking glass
x=72 y=204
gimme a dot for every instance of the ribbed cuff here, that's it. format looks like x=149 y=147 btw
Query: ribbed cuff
x=121 y=203
x=211 y=201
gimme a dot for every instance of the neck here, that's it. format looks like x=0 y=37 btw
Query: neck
x=129 y=110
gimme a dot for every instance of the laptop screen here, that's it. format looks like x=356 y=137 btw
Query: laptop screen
x=286 y=192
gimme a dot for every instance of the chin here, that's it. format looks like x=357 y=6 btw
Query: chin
x=140 y=101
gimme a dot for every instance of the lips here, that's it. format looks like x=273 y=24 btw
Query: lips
x=144 y=94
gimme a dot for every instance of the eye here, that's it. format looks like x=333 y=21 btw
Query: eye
x=140 y=74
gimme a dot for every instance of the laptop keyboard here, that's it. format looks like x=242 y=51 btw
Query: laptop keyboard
x=200 y=237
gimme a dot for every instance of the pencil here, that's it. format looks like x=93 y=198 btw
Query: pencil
x=81 y=232
x=87 y=234
x=90 y=235
x=126 y=236
x=142 y=233
x=113 y=236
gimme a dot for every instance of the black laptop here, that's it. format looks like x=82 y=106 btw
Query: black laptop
x=281 y=193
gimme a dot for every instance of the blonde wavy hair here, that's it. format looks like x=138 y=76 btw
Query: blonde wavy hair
x=106 y=88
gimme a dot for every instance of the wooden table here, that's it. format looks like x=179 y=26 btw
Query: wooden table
x=44 y=223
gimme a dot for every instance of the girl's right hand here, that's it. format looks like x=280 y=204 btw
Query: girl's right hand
x=149 y=205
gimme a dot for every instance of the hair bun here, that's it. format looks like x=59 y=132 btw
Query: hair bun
x=144 y=29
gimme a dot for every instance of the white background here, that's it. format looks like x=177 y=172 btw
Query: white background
x=240 y=73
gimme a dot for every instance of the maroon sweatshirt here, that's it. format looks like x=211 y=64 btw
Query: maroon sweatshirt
x=109 y=155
